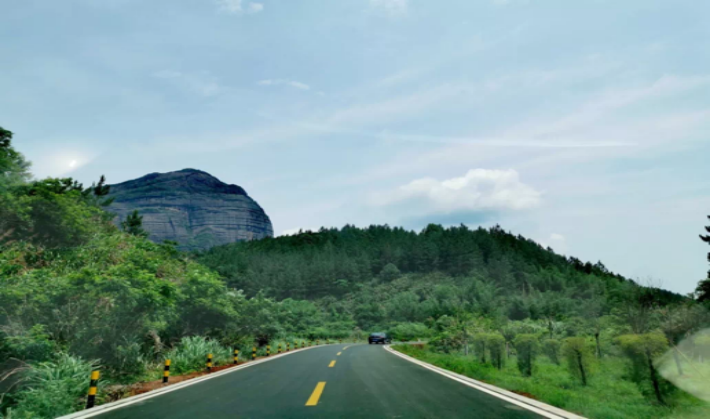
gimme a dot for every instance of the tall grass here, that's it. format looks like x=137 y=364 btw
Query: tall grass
x=53 y=389
x=608 y=394
x=191 y=354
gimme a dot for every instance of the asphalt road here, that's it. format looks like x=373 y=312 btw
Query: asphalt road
x=365 y=381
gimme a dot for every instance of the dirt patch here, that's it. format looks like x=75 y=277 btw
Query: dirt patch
x=117 y=392
x=524 y=394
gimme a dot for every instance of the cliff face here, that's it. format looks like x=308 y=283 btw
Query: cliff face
x=191 y=207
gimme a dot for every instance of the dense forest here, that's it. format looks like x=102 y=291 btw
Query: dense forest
x=78 y=293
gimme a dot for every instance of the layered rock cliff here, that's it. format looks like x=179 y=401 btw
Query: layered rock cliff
x=191 y=207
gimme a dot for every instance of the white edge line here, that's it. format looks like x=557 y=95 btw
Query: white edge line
x=535 y=406
x=104 y=408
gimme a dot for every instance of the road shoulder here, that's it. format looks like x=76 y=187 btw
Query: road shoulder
x=535 y=406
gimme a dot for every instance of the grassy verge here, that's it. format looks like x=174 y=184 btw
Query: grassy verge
x=607 y=396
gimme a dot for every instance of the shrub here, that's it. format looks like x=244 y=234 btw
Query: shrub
x=54 y=388
x=191 y=353
x=480 y=346
x=642 y=350
x=551 y=348
x=409 y=331
x=495 y=344
x=526 y=350
x=579 y=357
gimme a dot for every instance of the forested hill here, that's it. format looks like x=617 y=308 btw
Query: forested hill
x=336 y=262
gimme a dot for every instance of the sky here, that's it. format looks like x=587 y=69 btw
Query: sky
x=583 y=125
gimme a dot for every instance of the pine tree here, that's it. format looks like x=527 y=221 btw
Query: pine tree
x=134 y=225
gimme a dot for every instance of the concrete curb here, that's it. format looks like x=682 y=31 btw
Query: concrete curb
x=535 y=406
x=103 y=408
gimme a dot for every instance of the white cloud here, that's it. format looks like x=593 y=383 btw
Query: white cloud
x=236 y=7
x=202 y=84
x=478 y=190
x=389 y=7
x=276 y=82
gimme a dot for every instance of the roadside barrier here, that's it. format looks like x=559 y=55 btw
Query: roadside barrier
x=166 y=371
x=94 y=381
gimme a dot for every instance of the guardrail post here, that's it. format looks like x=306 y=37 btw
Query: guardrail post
x=166 y=371
x=279 y=348
x=269 y=350
x=91 y=398
x=236 y=355
x=303 y=344
x=208 y=364
x=318 y=342
x=287 y=346
x=254 y=353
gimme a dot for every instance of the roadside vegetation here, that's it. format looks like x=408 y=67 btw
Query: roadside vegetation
x=80 y=291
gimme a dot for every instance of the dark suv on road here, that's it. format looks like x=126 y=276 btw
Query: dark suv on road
x=378 y=338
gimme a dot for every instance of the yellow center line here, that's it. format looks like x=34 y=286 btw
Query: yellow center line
x=332 y=364
x=339 y=354
x=313 y=400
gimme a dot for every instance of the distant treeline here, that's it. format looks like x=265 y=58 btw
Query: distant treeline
x=333 y=262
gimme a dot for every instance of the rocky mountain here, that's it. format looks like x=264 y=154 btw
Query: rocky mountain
x=191 y=207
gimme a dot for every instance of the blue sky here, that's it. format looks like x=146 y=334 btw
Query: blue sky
x=581 y=124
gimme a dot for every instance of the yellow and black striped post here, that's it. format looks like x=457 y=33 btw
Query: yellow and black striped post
x=340 y=341
x=279 y=348
x=309 y=343
x=318 y=342
x=91 y=398
x=287 y=346
x=208 y=364
x=166 y=371
x=296 y=345
x=269 y=350
x=254 y=353
x=303 y=344
x=236 y=356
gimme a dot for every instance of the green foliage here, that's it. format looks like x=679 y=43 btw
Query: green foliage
x=551 y=348
x=53 y=388
x=133 y=224
x=526 y=350
x=389 y=273
x=642 y=351
x=191 y=354
x=410 y=332
x=495 y=344
x=579 y=358
x=608 y=396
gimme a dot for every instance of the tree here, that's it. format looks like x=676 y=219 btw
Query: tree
x=526 y=350
x=551 y=347
x=578 y=356
x=133 y=224
x=702 y=290
x=389 y=273
x=495 y=345
x=642 y=350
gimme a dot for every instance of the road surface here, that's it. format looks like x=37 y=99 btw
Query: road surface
x=360 y=381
